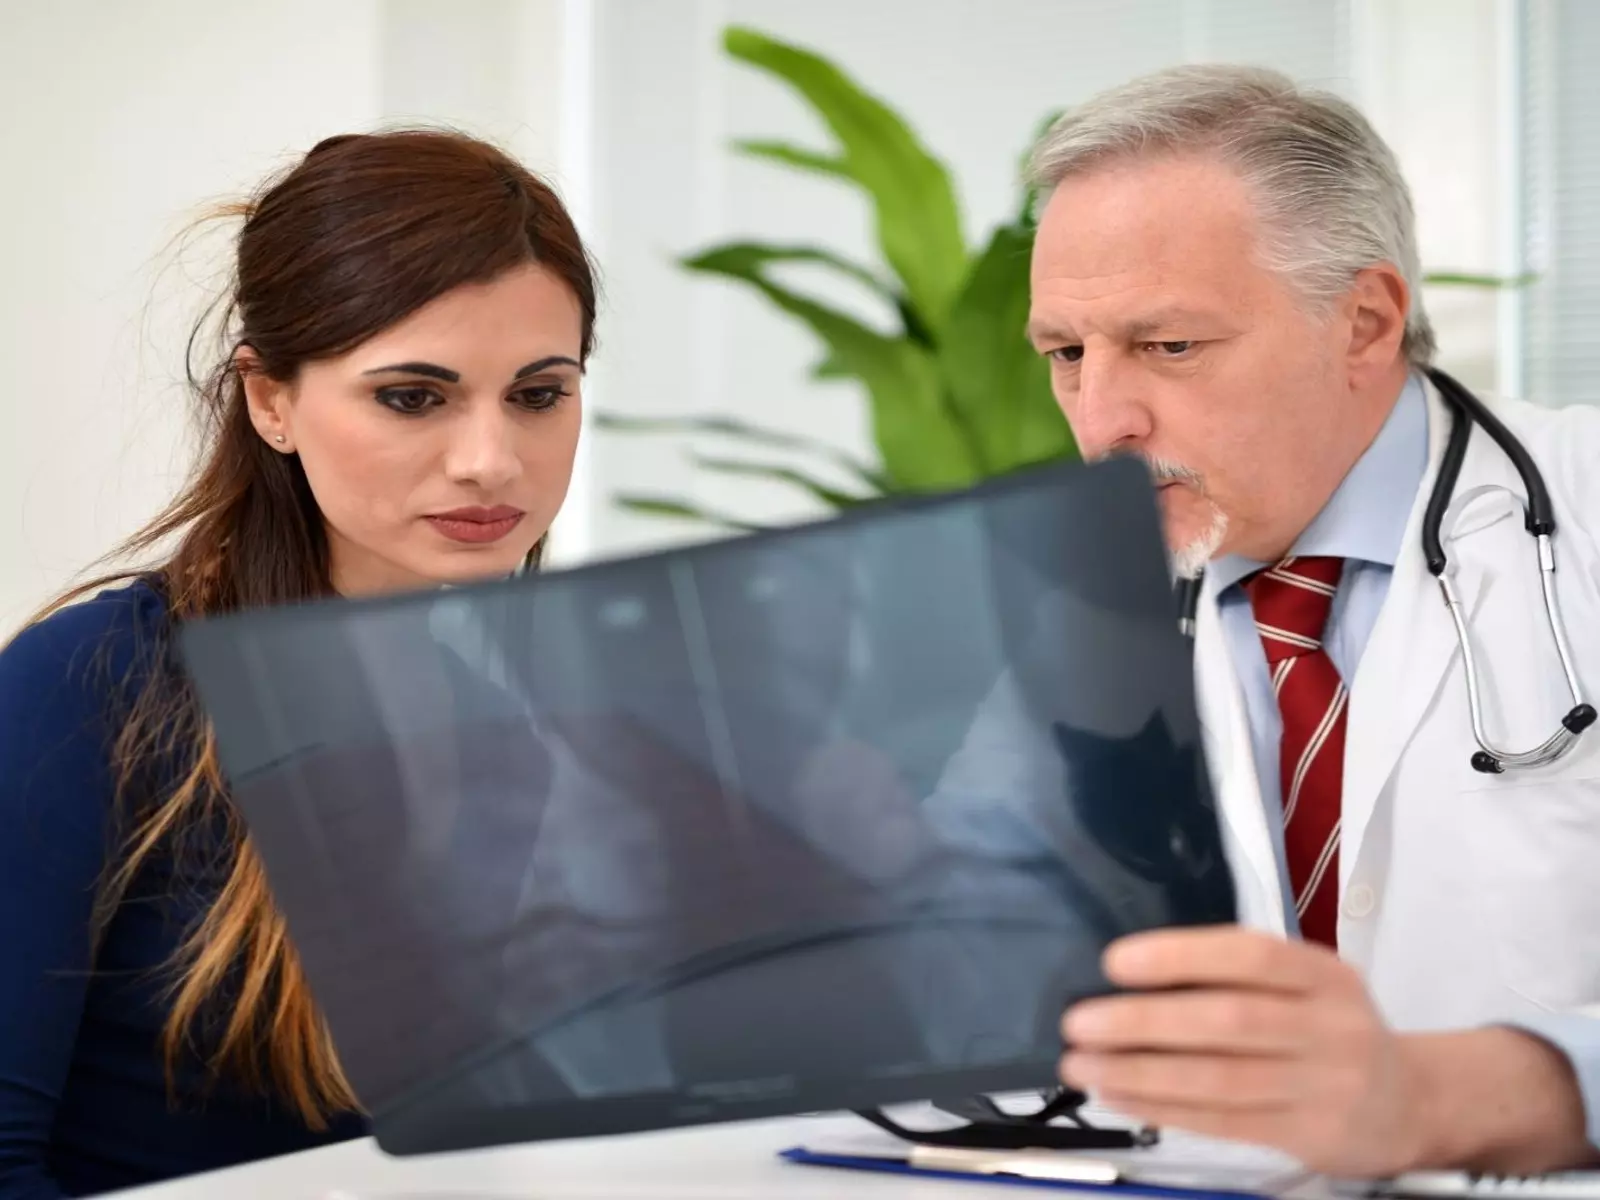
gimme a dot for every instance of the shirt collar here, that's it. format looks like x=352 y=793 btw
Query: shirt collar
x=1366 y=517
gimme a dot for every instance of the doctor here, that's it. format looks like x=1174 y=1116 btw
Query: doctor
x=1224 y=282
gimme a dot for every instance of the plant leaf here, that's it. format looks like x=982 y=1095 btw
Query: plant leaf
x=794 y=156
x=732 y=427
x=919 y=225
x=1463 y=279
x=663 y=506
x=921 y=444
x=831 y=496
x=999 y=386
x=743 y=260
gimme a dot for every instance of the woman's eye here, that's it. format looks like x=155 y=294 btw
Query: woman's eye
x=540 y=399
x=410 y=401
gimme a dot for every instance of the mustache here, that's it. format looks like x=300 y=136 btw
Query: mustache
x=1166 y=470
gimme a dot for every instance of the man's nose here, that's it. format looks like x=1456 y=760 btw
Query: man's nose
x=1108 y=411
x=483 y=447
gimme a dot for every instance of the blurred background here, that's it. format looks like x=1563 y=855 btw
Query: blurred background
x=125 y=122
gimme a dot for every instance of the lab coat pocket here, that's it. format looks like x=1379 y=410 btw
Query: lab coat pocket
x=1536 y=856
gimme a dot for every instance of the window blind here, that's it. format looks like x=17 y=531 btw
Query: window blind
x=1560 y=97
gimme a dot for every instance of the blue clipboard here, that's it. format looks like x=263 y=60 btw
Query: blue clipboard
x=893 y=1166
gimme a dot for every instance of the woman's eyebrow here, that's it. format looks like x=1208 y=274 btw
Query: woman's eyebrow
x=431 y=370
x=543 y=364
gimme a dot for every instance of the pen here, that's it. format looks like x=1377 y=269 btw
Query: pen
x=1026 y=1164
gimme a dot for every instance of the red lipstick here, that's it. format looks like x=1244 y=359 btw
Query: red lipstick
x=477 y=526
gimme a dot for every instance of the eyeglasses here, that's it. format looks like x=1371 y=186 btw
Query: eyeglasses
x=990 y=1127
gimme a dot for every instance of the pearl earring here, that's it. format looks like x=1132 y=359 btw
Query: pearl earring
x=280 y=439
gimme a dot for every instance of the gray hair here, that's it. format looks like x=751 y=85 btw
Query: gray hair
x=1328 y=189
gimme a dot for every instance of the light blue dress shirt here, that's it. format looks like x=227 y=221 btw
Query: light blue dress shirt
x=1364 y=523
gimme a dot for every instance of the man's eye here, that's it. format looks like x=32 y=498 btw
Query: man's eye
x=409 y=400
x=1173 y=348
x=1067 y=354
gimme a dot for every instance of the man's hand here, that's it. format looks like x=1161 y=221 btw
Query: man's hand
x=1246 y=1036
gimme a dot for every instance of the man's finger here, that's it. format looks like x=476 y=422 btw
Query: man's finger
x=1222 y=1020
x=1201 y=1081
x=1273 y=1127
x=1222 y=956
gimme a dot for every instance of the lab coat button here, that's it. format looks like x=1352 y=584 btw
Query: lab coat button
x=1359 y=901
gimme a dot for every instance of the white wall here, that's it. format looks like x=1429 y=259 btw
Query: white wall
x=1436 y=87
x=122 y=121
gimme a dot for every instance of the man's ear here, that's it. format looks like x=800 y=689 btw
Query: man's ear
x=1377 y=304
x=266 y=400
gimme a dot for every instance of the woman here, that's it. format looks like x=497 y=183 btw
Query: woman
x=397 y=407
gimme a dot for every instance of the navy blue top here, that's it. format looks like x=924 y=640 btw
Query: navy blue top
x=84 y=1102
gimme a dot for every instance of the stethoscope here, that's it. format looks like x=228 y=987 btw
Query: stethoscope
x=1539 y=519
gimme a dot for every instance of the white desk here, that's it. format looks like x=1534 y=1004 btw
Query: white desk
x=717 y=1162
x=712 y=1162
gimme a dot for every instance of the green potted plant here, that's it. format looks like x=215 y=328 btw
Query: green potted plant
x=956 y=394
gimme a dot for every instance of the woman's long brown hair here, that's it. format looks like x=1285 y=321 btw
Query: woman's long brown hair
x=364 y=230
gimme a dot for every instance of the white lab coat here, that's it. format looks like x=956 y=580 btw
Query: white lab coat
x=1464 y=898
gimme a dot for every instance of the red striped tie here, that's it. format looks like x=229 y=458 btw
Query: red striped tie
x=1291 y=602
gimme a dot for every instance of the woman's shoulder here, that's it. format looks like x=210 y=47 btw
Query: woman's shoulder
x=93 y=641
x=73 y=675
x=65 y=685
